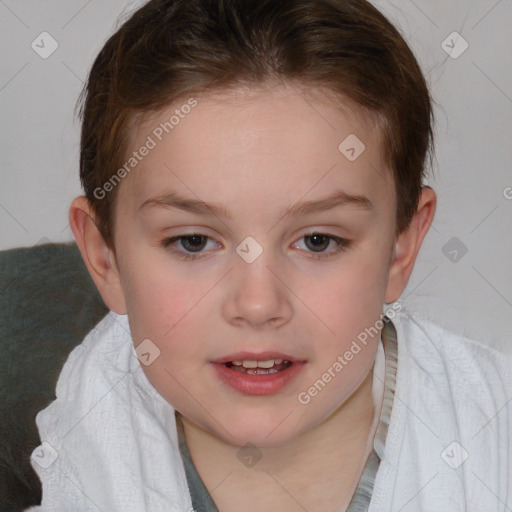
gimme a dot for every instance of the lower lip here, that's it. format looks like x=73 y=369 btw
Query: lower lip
x=258 y=384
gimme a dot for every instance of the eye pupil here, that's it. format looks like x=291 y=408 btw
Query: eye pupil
x=315 y=238
x=198 y=242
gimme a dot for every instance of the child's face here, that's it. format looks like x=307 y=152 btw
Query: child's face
x=255 y=157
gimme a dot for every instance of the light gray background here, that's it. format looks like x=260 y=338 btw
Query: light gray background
x=473 y=178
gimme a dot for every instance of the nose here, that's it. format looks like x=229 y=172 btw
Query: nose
x=257 y=294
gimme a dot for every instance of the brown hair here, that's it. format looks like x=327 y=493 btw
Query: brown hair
x=170 y=48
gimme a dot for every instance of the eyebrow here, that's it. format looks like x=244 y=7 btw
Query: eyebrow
x=334 y=200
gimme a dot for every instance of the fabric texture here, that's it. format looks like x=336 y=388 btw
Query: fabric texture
x=48 y=304
x=109 y=440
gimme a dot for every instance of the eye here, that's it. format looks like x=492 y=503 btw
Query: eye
x=192 y=244
x=190 y=247
x=317 y=243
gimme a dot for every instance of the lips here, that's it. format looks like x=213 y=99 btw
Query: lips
x=252 y=356
x=258 y=373
x=257 y=381
x=259 y=368
x=262 y=363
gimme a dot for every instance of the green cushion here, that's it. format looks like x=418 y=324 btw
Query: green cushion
x=48 y=304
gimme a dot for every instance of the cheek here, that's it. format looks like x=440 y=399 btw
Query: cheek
x=158 y=296
x=164 y=308
x=351 y=297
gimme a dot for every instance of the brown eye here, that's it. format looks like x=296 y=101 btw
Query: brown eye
x=193 y=242
x=317 y=241
x=188 y=247
x=316 y=244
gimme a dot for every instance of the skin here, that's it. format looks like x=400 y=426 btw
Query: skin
x=256 y=153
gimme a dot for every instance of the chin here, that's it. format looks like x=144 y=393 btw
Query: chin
x=262 y=430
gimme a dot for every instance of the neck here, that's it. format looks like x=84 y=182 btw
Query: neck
x=333 y=450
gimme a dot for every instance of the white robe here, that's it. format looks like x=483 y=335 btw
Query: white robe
x=109 y=440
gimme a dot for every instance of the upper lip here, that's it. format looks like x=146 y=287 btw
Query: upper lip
x=251 y=356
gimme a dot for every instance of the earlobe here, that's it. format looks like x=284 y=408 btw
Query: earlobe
x=408 y=244
x=97 y=256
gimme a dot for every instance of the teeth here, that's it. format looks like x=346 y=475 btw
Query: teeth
x=252 y=367
x=258 y=364
x=261 y=371
x=259 y=367
x=265 y=364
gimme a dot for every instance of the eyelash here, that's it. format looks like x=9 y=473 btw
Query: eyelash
x=166 y=243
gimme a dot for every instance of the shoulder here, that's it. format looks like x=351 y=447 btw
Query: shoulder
x=427 y=344
x=461 y=383
x=96 y=364
x=451 y=422
x=463 y=386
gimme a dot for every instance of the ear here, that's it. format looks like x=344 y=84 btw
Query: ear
x=408 y=245
x=98 y=257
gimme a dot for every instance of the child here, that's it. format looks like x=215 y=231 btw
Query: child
x=244 y=364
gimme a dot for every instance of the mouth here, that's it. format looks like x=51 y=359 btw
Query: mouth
x=258 y=374
x=253 y=367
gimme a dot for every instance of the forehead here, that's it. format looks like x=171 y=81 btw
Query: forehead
x=236 y=145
